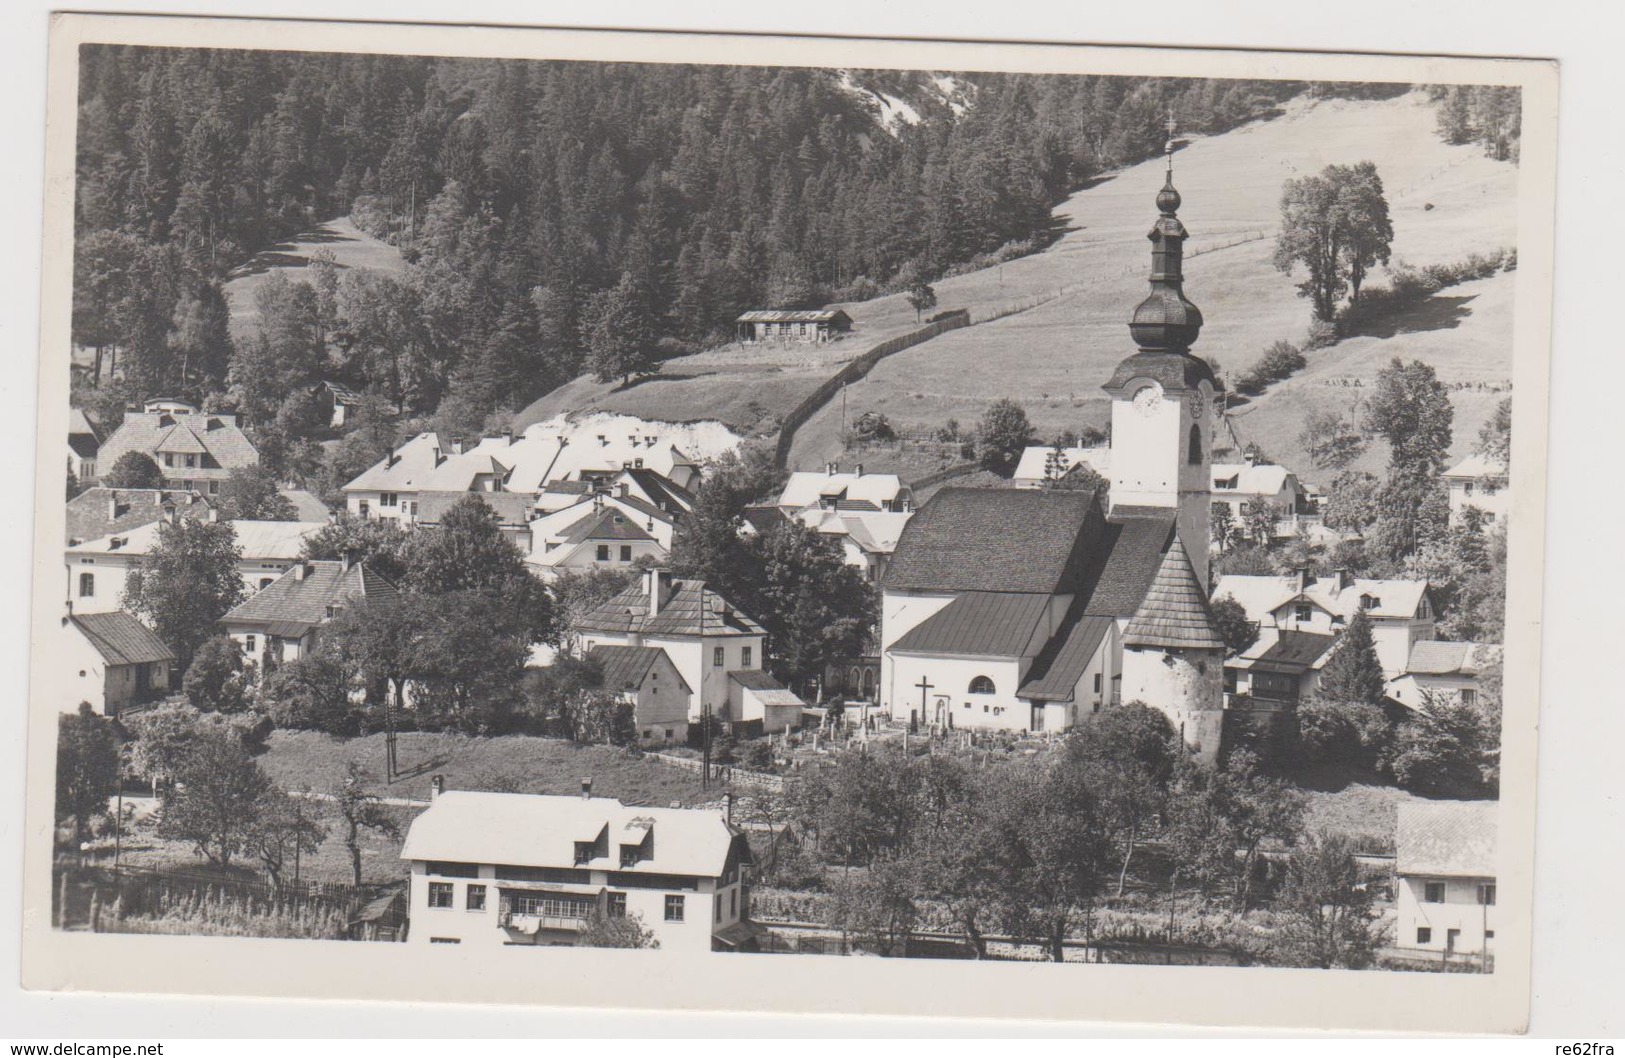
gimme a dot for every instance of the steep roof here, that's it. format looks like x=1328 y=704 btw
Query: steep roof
x=1035 y=461
x=307 y=506
x=301 y=598
x=692 y=610
x=1261 y=596
x=79 y=424
x=121 y=639
x=403 y=469
x=603 y=523
x=804 y=488
x=1061 y=664
x=1437 y=657
x=661 y=490
x=990 y=624
x=1129 y=555
x=100 y=511
x=254 y=539
x=765 y=517
x=996 y=540
x=1452 y=838
x=538 y=830
x=1175 y=612
x=625 y=667
x=1251 y=479
x=182 y=441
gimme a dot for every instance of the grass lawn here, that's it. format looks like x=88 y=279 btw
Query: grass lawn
x=513 y=763
x=349 y=245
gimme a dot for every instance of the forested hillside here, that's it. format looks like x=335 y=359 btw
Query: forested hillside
x=553 y=214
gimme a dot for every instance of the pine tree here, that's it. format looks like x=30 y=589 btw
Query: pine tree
x=1353 y=673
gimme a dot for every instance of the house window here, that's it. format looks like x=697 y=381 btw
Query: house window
x=214 y=490
x=744 y=657
x=668 y=734
x=249 y=643
x=603 y=552
x=440 y=894
x=617 y=905
x=1303 y=613
x=733 y=903
x=476 y=898
x=363 y=508
x=265 y=582
x=1099 y=679
x=1433 y=892
x=444 y=940
x=1424 y=935
x=1193 y=451
x=87 y=585
x=719 y=907
x=981 y=685
x=674 y=908
x=626 y=552
x=1486 y=894
x=387 y=499
x=716 y=658
x=1369 y=602
x=169 y=459
x=1469 y=696
x=191 y=462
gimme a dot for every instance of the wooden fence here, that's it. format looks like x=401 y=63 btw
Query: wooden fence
x=860 y=366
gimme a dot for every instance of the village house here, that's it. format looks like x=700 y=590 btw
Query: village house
x=1480 y=482
x=98 y=570
x=867 y=539
x=281 y=622
x=792 y=325
x=1279 y=670
x=84 y=442
x=120 y=661
x=1237 y=484
x=1400 y=612
x=345 y=402
x=195 y=450
x=707 y=638
x=513 y=512
x=1439 y=670
x=1022 y=609
x=838 y=490
x=646 y=679
x=515 y=869
x=597 y=533
x=101 y=511
x=1041 y=464
x=1445 y=866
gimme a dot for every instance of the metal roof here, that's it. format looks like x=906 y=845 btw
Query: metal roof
x=988 y=624
x=1061 y=664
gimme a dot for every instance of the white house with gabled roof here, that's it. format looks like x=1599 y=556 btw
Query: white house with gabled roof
x=1400 y=612
x=1445 y=863
x=597 y=533
x=495 y=869
x=1481 y=482
x=838 y=490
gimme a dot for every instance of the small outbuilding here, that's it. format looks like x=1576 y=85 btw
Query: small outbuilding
x=792 y=325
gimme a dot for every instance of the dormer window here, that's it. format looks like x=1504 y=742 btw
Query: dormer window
x=583 y=854
x=1369 y=602
x=1303 y=613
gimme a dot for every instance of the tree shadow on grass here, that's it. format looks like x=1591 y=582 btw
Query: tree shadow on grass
x=1437 y=313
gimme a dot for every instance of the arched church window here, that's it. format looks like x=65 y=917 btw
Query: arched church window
x=981 y=685
x=1193 y=454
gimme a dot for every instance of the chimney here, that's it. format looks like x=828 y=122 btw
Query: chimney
x=112 y=506
x=507 y=435
x=302 y=570
x=1302 y=575
x=457 y=445
x=1343 y=578
x=437 y=786
x=214 y=514
x=857 y=468
x=586 y=787
x=395 y=457
x=624 y=490
x=169 y=510
x=728 y=807
x=348 y=558
x=832 y=469
x=657 y=586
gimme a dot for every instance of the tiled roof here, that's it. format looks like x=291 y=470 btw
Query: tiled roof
x=512 y=508
x=1175 y=613
x=767 y=690
x=1035 y=461
x=997 y=540
x=1129 y=555
x=764 y=517
x=692 y=610
x=182 y=441
x=663 y=491
x=1060 y=665
x=1251 y=479
x=218 y=434
x=1437 y=657
x=806 y=487
x=604 y=523
x=989 y=624
x=1261 y=596
x=1451 y=838
x=625 y=667
x=254 y=539
x=79 y=424
x=1476 y=467
x=402 y=470
x=93 y=513
x=121 y=639
x=1293 y=653
x=536 y=830
x=303 y=600
x=84 y=445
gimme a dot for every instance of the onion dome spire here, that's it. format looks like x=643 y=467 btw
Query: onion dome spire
x=1166 y=321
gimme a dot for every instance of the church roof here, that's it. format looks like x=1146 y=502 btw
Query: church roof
x=1058 y=668
x=1175 y=611
x=981 y=623
x=1131 y=549
x=996 y=540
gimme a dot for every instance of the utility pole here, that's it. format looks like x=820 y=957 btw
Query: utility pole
x=705 y=752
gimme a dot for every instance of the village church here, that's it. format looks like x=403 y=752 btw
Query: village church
x=1024 y=610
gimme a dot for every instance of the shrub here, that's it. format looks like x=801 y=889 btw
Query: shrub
x=872 y=427
x=1321 y=334
x=1280 y=361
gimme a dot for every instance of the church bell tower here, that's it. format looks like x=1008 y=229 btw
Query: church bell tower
x=1162 y=396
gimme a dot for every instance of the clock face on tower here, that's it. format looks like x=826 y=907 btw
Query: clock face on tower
x=1147 y=399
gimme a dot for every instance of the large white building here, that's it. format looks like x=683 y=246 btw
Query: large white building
x=495 y=869
x=1445 y=864
x=97 y=570
x=1480 y=482
x=1021 y=609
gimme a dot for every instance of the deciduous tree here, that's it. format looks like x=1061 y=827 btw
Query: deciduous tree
x=358 y=809
x=134 y=470
x=187 y=583
x=87 y=766
x=218 y=796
